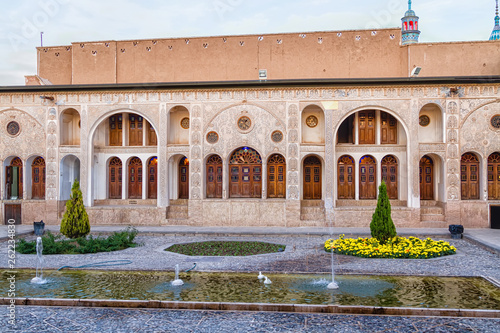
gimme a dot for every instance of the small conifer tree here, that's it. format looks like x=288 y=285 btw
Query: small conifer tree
x=75 y=222
x=382 y=227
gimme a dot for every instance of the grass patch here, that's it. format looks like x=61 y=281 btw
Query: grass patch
x=397 y=248
x=53 y=244
x=222 y=248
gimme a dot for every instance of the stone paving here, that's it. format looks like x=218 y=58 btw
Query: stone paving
x=55 y=319
x=302 y=254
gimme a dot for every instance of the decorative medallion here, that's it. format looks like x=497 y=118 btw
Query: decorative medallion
x=185 y=123
x=13 y=128
x=312 y=121
x=424 y=120
x=244 y=123
x=212 y=137
x=495 y=121
x=277 y=136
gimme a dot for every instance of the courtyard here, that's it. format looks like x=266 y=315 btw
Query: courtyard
x=477 y=255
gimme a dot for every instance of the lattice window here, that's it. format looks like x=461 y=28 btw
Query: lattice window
x=245 y=156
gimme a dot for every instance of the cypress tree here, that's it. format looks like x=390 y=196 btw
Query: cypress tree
x=75 y=222
x=382 y=227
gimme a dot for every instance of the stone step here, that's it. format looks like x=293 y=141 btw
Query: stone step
x=428 y=203
x=179 y=202
x=312 y=210
x=177 y=215
x=313 y=223
x=431 y=210
x=432 y=217
x=312 y=217
x=312 y=203
x=179 y=208
x=368 y=203
x=177 y=222
x=433 y=224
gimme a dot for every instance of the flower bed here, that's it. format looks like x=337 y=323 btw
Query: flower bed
x=398 y=247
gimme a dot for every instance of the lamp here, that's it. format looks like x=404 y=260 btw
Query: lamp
x=415 y=71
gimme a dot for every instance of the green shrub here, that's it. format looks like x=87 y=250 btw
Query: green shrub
x=75 y=222
x=56 y=245
x=382 y=227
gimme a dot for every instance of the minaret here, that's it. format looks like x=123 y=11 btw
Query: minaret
x=410 y=32
x=495 y=34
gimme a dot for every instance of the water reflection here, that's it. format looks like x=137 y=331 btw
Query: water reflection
x=394 y=291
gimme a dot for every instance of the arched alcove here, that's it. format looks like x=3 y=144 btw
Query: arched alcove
x=178 y=126
x=70 y=128
x=313 y=125
x=430 y=127
x=70 y=171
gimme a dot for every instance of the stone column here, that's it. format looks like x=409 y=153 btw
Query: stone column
x=195 y=162
x=162 y=157
x=293 y=167
x=51 y=167
x=452 y=162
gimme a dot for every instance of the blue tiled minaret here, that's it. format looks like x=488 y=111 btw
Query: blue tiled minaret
x=495 y=34
x=409 y=28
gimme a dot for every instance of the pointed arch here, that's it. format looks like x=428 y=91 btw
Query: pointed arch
x=214 y=172
x=38 y=178
x=276 y=176
x=245 y=166
x=494 y=176
x=346 y=177
x=469 y=176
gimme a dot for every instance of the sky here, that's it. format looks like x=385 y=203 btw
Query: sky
x=67 y=21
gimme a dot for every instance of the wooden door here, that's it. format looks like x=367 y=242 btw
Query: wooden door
x=135 y=178
x=14 y=179
x=494 y=176
x=38 y=178
x=366 y=127
x=388 y=129
x=367 y=178
x=152 y=178
x=312 y=178
x=115 y=130
x=135 y=123
x=214 y=177
x=276 y=177
x=12 y=211
x=345 y=178
x=184 y=178
x=115 y=178
x=469 y=174
x=390 y=176
x=245 y=166
x=152 y=139
x=426 y=178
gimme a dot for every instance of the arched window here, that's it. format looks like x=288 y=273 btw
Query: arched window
x=184 y=178
x=276 y=176
x=426 y=178
x=135 y=178
x=38 y=178
x=345 y=180
x=411 y=25
x=152 y=178
x=115 y=178
x=246 y=174
x=367 y=178
x=390 y=175
x=214 y=177
x=469 y=174
x=14 y=179
x=494 y=176
x=312 y=178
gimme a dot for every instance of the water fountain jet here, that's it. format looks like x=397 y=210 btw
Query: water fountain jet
x=38 y=279
x=333 y=284
x=177 y=281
